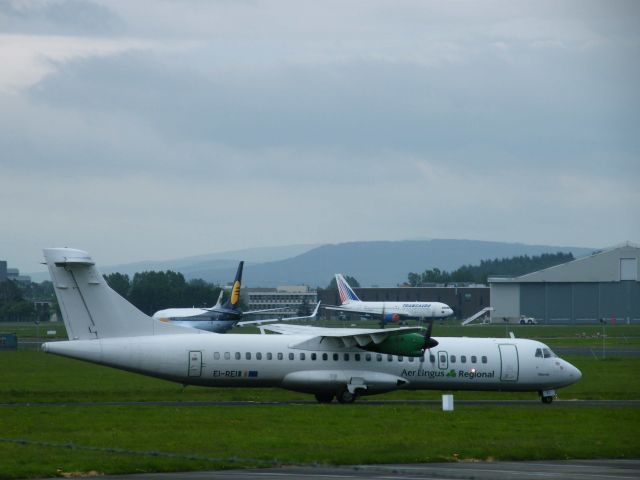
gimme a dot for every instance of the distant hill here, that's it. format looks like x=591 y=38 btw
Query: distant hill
x=213 y=261
x=382 y=263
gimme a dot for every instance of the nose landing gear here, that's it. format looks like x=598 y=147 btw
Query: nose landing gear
x=547 y=396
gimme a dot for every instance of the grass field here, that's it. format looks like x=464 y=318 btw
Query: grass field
x=51 y=440
x=40 y=440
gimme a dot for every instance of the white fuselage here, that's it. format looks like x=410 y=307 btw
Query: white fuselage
x=234 y=360
x=403 y=309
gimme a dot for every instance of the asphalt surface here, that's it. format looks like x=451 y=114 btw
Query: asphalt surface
x=457 y=403
x=551 y=470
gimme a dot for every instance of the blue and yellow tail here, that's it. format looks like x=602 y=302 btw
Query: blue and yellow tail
x=234 y=298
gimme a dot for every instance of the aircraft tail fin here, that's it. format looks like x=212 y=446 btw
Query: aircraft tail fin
x=90 y=308
x=234 y=298
x=344 y=290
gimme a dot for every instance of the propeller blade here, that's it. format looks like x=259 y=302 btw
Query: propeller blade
x=428 y=341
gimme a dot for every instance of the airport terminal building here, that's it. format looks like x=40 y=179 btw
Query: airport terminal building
x=601 y=286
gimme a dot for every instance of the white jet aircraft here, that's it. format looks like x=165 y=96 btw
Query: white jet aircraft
x=104 y=328
x=388 y=311
x=222 y=317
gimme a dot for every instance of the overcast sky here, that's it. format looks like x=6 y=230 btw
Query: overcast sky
x=160 y=129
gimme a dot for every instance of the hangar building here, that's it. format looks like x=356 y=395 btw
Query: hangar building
x=601 y=286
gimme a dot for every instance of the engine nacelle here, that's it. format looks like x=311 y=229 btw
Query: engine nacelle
x=391 y=317
x=408 y=345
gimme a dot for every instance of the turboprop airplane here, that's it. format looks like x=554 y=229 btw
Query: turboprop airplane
x=388 y=311
x=220 y=317
x=104 y=328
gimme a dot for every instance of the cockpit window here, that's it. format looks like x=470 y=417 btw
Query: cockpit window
x=548 y=353
x=539 y=352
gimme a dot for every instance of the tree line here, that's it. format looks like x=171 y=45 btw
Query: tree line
x=152 y=291
x=514 y=266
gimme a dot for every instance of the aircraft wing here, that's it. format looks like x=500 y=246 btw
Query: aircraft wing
x=285 y=319
x=348 y=336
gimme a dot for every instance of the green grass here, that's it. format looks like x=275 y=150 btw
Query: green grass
x=335 y=434
x=111 y=439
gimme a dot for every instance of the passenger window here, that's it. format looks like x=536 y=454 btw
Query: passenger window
x=443 y=359
x=432 y=358
x=258 y=356
x=452 y=359
x=346 y=357
x=216 y=355
x=539 y=352
x=410 y=359
x=269 y=356
x=400 y=358
x=247 y=355
x=227 y=356
x=367 y=357
x=313 y=357
x=474 y=359
x=484 y=359
x=336 y=357
x=357 y=357
x=325 y=357
x=280 y=356
x=238 y=356
x=422 y=359
x=379 y=357
x=302 y=356
x=389 y=358
x=291 y=356
x=463 y=358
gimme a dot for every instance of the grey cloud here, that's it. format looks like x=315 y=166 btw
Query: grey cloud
x=536 y=105
x=61 y=17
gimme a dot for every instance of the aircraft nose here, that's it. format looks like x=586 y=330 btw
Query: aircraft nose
x=574 y=373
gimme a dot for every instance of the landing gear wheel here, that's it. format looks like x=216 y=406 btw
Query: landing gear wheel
x=345 y=396
x=324 y=397
x=546 y=399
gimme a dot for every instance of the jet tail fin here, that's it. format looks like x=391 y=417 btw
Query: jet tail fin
x=344 y=290
x=90 y=308
x=234 y=298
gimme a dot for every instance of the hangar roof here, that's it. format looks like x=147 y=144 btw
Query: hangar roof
x=611 y=265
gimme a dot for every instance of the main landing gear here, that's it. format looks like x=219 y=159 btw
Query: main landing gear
x=324 y=397
x=343 y=396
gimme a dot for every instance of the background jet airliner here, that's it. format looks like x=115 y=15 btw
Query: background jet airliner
x=220 y=317
x=388 y=311
x=104 y=328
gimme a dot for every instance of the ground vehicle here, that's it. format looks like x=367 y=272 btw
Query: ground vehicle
x=527 y=320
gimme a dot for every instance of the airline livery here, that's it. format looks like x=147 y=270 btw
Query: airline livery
x=104 y=328
x=389 y=311
x=220 y=317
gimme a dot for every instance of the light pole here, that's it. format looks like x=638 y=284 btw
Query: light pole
x=604 y=322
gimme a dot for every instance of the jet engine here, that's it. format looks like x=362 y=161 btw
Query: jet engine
x=391 y=317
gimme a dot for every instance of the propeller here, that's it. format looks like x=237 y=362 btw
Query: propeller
x=428 y=341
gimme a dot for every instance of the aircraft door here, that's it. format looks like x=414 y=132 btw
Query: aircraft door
x=509 y=367
x=443 y=360
x=195 y=364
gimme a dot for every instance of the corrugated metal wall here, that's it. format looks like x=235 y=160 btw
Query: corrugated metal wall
x=581 y=302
